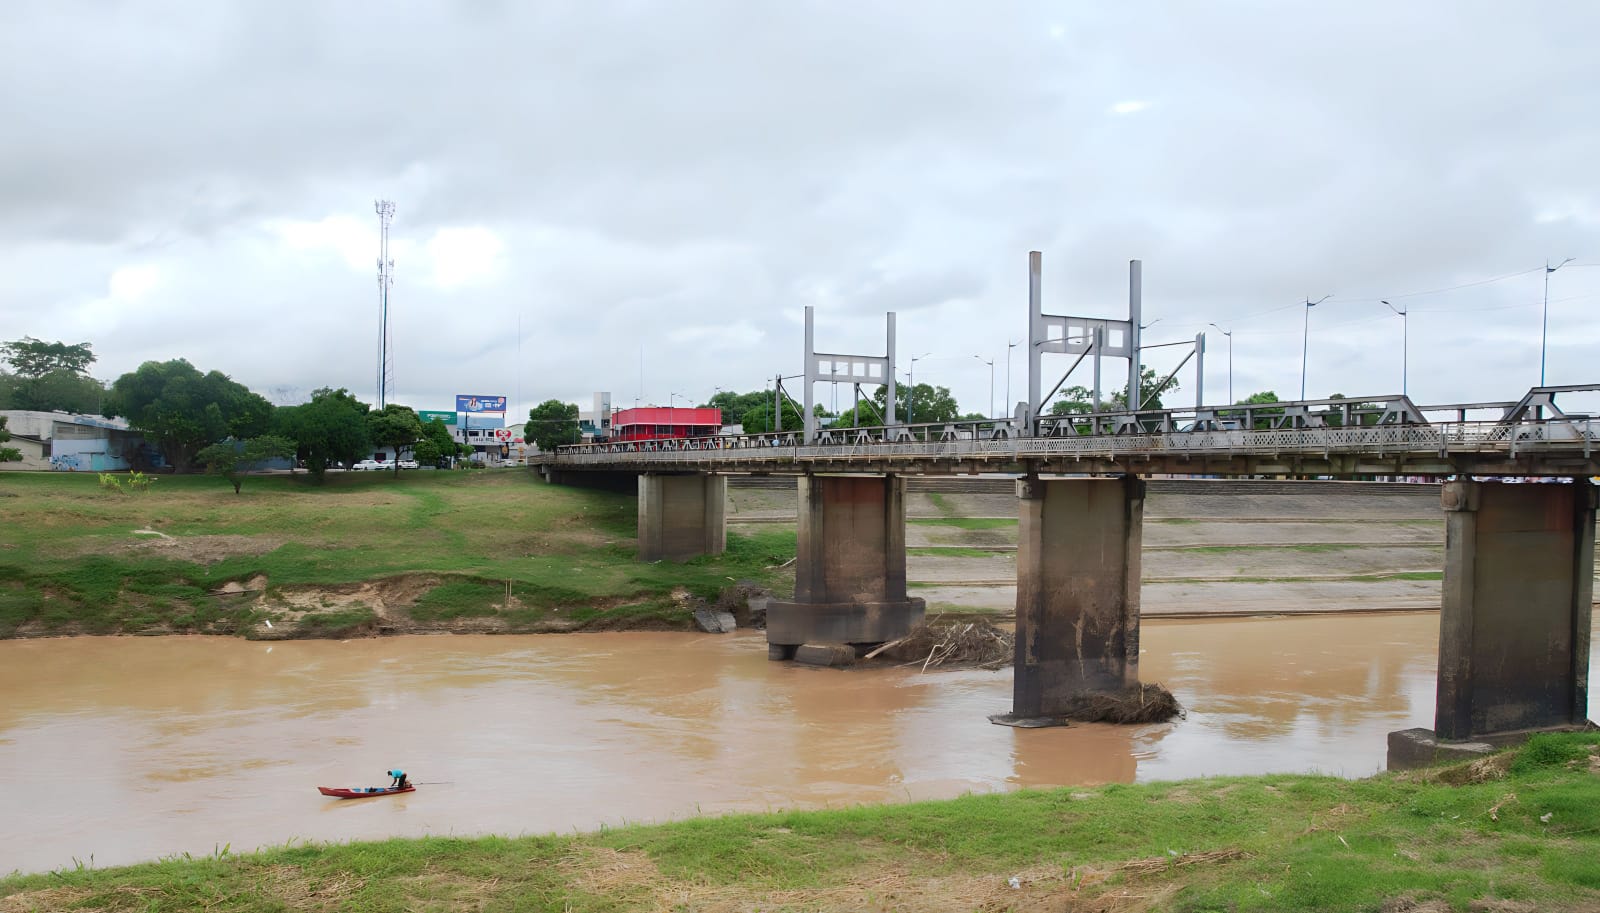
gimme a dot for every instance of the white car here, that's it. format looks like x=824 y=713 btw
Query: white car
x=368 y=465
x=408 y=464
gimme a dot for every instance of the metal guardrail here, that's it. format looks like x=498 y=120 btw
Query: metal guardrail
x=1377 y=425
x=1440 y=438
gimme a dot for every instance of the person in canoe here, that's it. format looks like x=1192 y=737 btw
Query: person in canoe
x=400 y=779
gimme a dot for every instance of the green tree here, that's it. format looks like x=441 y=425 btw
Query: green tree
x=923 y=405
x=552 y=424
x=1149 y=395
x=758 y=420
x=734 y=405
x=31 y=357
x=396 y=427
x=1074 y=400
x=7 y=454
x=49 y=376
x=331 y=428
x=232 y=459
x=184 y=410
x=1256 y=399
x=437 y=444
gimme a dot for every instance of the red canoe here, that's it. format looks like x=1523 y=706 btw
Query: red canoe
x=363 y=792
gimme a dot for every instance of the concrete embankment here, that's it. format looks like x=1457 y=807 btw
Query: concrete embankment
x=1211 y=547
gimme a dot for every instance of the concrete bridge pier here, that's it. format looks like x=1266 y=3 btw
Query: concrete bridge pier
x=1078 y=560
x=850 y=567
x=1514 y=625
x=682 y=515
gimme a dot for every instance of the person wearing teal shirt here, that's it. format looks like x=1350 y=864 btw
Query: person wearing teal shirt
x=400 y=781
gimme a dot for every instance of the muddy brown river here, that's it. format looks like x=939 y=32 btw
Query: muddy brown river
x=125 y=749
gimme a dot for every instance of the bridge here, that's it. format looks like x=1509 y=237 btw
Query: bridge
x=1519 y=559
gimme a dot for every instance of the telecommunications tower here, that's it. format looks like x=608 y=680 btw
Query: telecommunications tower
x=385 y=210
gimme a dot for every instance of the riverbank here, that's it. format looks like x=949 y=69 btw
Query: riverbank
x=363 y=554
x=1518 y=832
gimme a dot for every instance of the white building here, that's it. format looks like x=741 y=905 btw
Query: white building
x=68 y=442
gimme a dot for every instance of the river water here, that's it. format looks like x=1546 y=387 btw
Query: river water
x=128 y=749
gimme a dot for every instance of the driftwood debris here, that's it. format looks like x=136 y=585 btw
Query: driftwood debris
x=967 y=644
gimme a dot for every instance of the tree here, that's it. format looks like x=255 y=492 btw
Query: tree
x=759 y=419
x=31 y=357
x=232 y=459
x=394 y=426
x=7 y=454
x=1256 y=399
x=1074 y=400
x=437 y=444
x=49 y=376
x=924 y=404
x=737 y=404
x=552 y=424
x=1149 y=396
x=331 y=428
x=184 y=410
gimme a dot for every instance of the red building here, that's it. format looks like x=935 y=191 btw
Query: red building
x=648 y=423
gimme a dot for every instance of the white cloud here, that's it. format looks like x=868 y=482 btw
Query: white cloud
x=465 y=256
x=1129 y=107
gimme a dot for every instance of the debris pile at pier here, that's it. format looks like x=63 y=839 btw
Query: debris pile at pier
x=961 y=645
x=1149 y=702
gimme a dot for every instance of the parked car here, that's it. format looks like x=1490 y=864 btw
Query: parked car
x=368 y=465
x=408 y=464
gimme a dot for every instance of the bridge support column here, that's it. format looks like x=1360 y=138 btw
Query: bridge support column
x=850 y=566
x=1078 y=554
x=1514 y=624
x=682 y=515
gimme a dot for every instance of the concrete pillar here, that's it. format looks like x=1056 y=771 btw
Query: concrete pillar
x=1078 y=552
x=1514 y=630
x=850 y=566
x=682 y=515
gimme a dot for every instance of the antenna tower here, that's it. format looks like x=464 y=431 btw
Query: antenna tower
x=385 y=210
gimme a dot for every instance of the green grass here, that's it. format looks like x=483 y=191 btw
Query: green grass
x=70 y=561
x=1314 y=548
x=967 y=522
x=958 y=551
x=1391 y=842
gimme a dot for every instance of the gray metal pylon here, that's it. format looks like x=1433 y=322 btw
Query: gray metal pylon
x=855 y=369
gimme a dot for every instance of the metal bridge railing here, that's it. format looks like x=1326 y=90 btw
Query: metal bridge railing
x=995 y=441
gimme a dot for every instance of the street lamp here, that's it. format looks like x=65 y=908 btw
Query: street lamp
x=1305 y=341
x=1009 y=404
x=1544 y=321
x=911 y=388
x=671 y=397
x=1229 y=334
x=990 y=363
x=1405 y=343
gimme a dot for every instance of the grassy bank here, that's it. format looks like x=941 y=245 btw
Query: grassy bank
x=486 y=550
x=1520 y=832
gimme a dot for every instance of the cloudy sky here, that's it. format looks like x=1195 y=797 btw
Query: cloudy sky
x=673 y=182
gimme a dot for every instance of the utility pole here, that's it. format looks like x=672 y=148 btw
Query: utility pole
x=1544 y=321
x=1229 y=334
x=385 y=211
x=990 y=363
x=1305 y=341
x=1009 y=404
x=1405 y=343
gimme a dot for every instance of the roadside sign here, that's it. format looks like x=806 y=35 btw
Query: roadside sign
x=467 y=403
x=449 y=418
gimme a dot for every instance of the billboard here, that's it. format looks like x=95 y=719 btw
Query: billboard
x=480 y=403
x=449 y=418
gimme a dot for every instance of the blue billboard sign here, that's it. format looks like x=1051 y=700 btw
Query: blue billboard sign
x=480 y=403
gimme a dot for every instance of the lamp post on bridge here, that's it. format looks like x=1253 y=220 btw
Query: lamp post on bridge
x=990 y=363
x=1405 y=342
x=1009 y=404
x=1305 y=341
x=911 y=389
x=1229 y=334
x=1544 y=320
